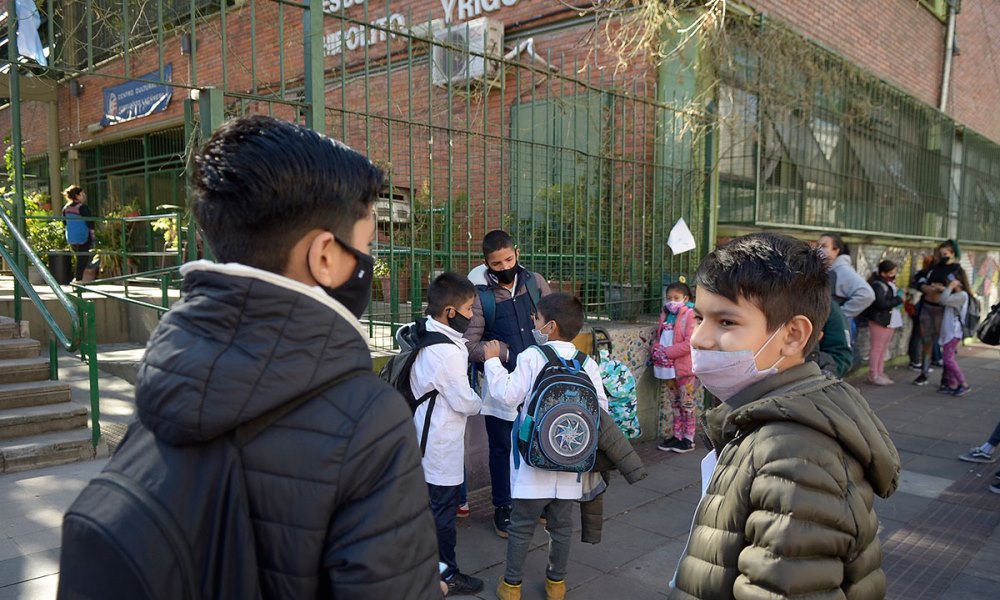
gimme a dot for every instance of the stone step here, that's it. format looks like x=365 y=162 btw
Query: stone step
x=33 y=393
x=15 y=370
x=48 y=449
x=19 y=348
x=35 y=420
x=8 y=328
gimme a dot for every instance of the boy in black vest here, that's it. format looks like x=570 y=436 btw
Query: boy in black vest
x=502 y=311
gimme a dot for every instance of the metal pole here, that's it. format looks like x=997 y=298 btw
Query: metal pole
x=89 y=340
x=15 y=140
x=312 y=25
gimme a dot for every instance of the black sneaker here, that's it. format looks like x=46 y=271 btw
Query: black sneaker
x=997 y=474
x=668 y=444
x=917 y=366
x=461 y=584
x=920 y=380
x=937 y=363
x=501 y=520
x=962 y=390
x=683 y=447
x=943 y=389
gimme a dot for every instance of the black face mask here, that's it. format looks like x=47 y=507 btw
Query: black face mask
x=944 y=260
x=459 y=322
x=357 y=290
x=506 y=276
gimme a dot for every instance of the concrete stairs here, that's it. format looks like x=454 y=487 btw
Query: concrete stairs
x=39 y=424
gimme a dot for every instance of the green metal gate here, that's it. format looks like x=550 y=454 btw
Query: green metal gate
x=588 y=170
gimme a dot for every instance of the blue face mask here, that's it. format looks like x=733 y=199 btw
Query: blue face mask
x=540 y=338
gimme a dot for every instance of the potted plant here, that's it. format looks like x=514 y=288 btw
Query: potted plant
x=380 y=273
x=115 y=237
x=47 y=238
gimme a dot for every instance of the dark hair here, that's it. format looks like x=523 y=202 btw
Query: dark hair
x=448 y=289
x=261 y=184
x=887 y=265
x=679 y=286
x=496 y=240
x=780 y=275
x=566 y=310
x=838 y=243
x=72 y=192
x=953 y=245
x=963 y=278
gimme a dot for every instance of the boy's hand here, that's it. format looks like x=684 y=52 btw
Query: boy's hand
x=491 y=349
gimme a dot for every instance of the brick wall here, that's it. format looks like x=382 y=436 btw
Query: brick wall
x=975 y=87
x=903 y=43
x=898 y=40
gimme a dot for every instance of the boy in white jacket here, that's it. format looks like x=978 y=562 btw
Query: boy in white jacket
x=441 y=367
x=535 y=492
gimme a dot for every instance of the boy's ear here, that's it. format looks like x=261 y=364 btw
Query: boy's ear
x=797 y=333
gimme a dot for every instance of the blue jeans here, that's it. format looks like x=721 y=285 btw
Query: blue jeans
x=995 y=438
x=498 y=434
x=444 y=503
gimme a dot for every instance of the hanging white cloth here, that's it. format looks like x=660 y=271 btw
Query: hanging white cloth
x=29 y=44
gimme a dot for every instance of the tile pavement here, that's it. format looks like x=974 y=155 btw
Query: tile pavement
x=940 y=530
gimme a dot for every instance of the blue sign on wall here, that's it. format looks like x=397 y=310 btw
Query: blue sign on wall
x=136 y=99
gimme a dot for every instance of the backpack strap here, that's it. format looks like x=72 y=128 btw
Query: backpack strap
x=489 y=304
x=166 y=524
x=432 y=396
x=534 y=292
x=246 y=432
x=424 y=339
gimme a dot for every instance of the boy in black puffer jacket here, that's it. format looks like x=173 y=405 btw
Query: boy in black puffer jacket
x=333 y=502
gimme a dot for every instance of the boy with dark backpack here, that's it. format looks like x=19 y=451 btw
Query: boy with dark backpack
x=268 y=460
x=556 y=442
x=443 y=402
x=502 y=311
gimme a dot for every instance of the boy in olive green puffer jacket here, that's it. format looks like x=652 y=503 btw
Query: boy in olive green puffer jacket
x=788 y=510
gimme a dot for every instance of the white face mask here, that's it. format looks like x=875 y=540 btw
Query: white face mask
x=725 y=373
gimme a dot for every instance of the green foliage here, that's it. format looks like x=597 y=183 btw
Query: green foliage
x=167 y=226
x=43 y=234
x=114 y=235
x=381 y=269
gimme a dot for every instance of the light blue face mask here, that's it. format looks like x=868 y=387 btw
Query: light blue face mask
x=540 y=338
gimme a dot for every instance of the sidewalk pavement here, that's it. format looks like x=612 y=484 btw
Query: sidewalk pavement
x=940 y=531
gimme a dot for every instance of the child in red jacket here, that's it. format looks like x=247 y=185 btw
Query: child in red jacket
x=671 y=354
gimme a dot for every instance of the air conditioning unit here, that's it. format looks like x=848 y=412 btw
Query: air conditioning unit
x=392 y=208
x=460 y=51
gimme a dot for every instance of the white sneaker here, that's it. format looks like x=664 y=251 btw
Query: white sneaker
x=976 y=455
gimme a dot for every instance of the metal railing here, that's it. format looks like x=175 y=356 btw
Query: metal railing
x=123 y=242
x=82 y=334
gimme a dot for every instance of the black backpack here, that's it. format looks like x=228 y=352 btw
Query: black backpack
x=972 y=316
x=560 y=429
x=412 y=339
x=170 y=522
x=988 y=331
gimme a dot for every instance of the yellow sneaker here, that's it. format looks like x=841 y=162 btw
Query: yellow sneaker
x=506 y=591
x=555 y=590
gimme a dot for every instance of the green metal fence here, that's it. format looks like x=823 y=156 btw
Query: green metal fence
x=979 y=207
x=562 y=155
x=588 y=170
x=840 y=149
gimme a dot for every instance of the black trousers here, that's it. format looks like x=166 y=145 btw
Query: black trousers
x=82 y=253
x=444 y=503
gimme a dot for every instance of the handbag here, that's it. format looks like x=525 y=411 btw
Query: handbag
x=988 y=331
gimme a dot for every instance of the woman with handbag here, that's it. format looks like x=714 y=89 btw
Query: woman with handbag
x=884 y=319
